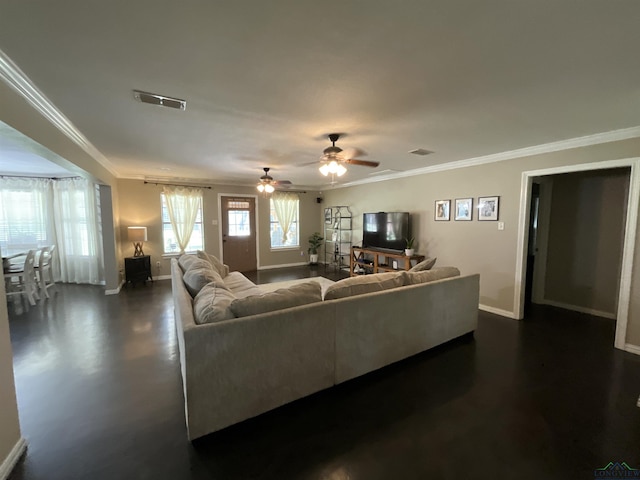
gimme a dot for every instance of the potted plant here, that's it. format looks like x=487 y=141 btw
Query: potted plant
x=315 y=242
x=409 y=251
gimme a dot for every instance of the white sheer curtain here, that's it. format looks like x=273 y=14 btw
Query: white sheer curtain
x=182 y=206
x=78 y=231
x=36 y=212
x=25 y=213
x=286 y=207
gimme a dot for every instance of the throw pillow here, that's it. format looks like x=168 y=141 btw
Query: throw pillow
x=414 y=278
x=197 y=277
x=186 y=260
x=426 y=264
x=301 y=294
x=215 y=263
x=364 y=284
x=212 y=304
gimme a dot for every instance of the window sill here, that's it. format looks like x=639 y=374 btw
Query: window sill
x=176 y=255
x=285 y=249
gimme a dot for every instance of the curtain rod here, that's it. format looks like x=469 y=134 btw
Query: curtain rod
x=46 y=178
x=178 y=185
x=209 y=187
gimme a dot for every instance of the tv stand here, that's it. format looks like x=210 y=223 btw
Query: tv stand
x=372 y=260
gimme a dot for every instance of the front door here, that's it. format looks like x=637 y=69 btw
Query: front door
x=239 y=233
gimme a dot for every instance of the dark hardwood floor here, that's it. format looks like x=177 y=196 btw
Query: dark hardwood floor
x=100 y=397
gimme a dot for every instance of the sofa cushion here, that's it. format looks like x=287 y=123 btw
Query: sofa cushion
x=186 y=260
x=240 y=285
x=197 y=277
x=212 y=304
x=221 y=268
x=364 y=284
x=414 y=278
x=300 y=294
x=426 y=264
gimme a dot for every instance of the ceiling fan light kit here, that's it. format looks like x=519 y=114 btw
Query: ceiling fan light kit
x=267 y=183
x=333 y=159
x=333 y=168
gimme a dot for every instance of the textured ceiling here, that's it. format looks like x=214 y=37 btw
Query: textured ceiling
x=266 y=81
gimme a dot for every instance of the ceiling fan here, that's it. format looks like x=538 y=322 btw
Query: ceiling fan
x=268 y=184
x=334 y=158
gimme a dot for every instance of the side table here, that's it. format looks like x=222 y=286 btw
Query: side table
x=137 y=269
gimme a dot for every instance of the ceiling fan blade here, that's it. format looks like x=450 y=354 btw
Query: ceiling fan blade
x=362 y=163
x=315 y=162
x=352 y=153
x=283 y=182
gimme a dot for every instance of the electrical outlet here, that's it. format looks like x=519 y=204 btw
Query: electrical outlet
x=158 y=264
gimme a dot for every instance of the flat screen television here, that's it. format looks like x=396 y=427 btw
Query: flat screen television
x=385 y=230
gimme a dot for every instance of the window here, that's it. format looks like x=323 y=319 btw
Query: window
x=285 y=213
x=23 y=219
x=196 y=242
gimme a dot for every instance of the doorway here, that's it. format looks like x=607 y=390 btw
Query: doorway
x=238 y=216
x=630 y=216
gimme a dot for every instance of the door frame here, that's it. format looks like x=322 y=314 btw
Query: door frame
x=631 y=223
x=239 y=195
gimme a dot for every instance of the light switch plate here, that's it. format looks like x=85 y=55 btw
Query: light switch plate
x=500 y=225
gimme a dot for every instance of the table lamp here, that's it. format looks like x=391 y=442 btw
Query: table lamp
x=137 y=235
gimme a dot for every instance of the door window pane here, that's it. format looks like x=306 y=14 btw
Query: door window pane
x=239 y=225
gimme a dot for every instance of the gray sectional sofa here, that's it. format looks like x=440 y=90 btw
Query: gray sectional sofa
x=236 y=368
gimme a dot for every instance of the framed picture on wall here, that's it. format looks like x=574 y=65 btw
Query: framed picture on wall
x=488 y=208
x=464 y=209
x=327 y=216
x=442 y=210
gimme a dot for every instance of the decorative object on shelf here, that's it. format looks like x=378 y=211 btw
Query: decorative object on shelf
x=409 y=250
x=267 y=184
x=327 y=215
x=315 y=242
x=137 y=235
x=464 y=209
x=442 y=211
x=488 y=208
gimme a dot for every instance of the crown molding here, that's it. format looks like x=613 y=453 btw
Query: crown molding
x=586 y=141
x=18 y=81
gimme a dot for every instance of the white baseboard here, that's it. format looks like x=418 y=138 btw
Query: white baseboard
x=576 y=308
x=632 y=348
x=271 y=267
x=114 y=291
x=498 y=311
x=14 y=455
x=162 y=277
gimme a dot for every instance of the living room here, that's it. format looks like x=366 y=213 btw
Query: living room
x=502 y=165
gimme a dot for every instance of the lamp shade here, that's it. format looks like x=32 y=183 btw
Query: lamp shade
x=137 y=234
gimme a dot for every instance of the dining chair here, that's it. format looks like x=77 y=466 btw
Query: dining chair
x=21 y=279
x=43 y=270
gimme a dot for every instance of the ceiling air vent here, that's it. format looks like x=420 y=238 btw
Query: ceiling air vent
x=163 y=101
x=420 y=151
